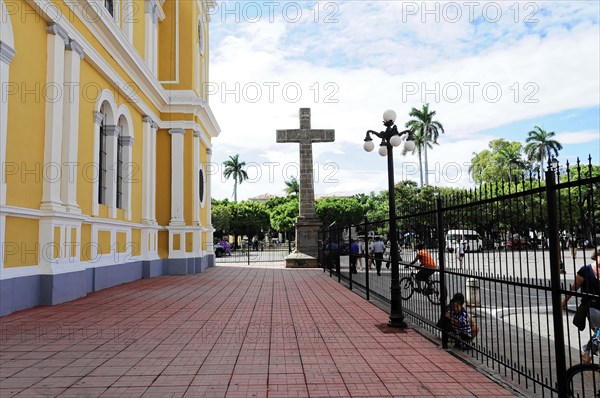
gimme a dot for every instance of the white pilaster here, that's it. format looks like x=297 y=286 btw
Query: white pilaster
x=177 y=177
x=57 y=40
x=196 y=167
x=148 y=136
x=6 y=55
x=127 y=142
x=70 y=139
x=154 y=131
x=98 y=118
x=149 y=35
x=155 y=43
x=112 y=142
x=129 y=16
x=207 y=204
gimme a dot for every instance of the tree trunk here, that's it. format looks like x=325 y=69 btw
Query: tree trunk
x=235 y=191
x=426 y=166
x=420 y=167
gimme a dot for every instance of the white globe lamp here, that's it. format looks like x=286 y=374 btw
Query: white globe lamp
x=396 y=140
x=389 y=116
x=383 y=150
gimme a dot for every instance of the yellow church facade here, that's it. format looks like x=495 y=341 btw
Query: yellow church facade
x=105 y=138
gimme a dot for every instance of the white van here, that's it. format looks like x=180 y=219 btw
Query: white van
x=471 y=239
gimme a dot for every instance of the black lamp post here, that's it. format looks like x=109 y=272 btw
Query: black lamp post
x=391 y=138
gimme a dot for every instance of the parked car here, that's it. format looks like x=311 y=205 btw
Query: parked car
x=516 y=243
x=222 y=248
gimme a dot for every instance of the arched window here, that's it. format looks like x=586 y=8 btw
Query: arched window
x=108 y=4
x=124 y=162
x=201 y=185
x=102 y=162
x=120 y=170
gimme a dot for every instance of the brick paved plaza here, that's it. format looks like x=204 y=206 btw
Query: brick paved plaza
x=235 y=331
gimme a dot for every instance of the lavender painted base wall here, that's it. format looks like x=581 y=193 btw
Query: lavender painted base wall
x=30 y=291
x=19 y=293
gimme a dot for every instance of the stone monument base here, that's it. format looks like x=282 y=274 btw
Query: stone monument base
x=301 y=260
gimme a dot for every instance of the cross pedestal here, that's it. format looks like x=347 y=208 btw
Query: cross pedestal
x=307 y=225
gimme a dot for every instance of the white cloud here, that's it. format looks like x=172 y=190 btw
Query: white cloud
x=578 y=137
x=349 y=72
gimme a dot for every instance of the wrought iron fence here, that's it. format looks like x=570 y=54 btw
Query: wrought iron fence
x=524 y=243
x=253 y=253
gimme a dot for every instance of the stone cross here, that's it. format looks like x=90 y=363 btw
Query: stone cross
x=305 y=137
x=307 y=226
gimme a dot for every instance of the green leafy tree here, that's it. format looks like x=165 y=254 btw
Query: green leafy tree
x=221 y=214
x=341 y=210
x=283 y=216
x=541 y=145
x=250 y=218
x=424 y=124
x=234 y=168
x=480 y=165
x=501 y=162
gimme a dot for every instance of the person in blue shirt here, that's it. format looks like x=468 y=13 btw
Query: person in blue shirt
x=354 y=253
x=461 y=324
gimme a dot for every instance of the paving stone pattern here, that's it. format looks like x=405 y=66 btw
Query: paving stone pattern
x=232 y=331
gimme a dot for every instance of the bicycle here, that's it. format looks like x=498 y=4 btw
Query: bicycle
x=432 y=290
x=583 y=381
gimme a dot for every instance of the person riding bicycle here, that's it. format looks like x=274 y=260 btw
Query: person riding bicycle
x=426 y=262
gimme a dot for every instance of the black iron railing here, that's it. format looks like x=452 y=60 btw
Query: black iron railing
x=254 y=252
x=524 y=243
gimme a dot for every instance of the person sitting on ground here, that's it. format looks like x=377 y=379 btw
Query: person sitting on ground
x=426 y=262
x=462 y=325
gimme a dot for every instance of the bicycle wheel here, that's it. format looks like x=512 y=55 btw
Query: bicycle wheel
x=584 y=381
x=435 y=292
x=406 y=288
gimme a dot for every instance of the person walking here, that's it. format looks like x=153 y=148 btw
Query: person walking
x=370 y=262
x=587 y=280
x=460 y=253
x=361 y=254
x=378 y=250
x=354 y=253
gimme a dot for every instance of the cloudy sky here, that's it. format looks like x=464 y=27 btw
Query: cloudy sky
x=489 y=69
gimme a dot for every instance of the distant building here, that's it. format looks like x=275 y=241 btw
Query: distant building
x=265 y=197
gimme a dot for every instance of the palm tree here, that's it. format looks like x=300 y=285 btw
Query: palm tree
x=423 y=122
x=234 y=168
x=540 y=144
x=292 y=186
x=421 y=142
x=509 y=157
